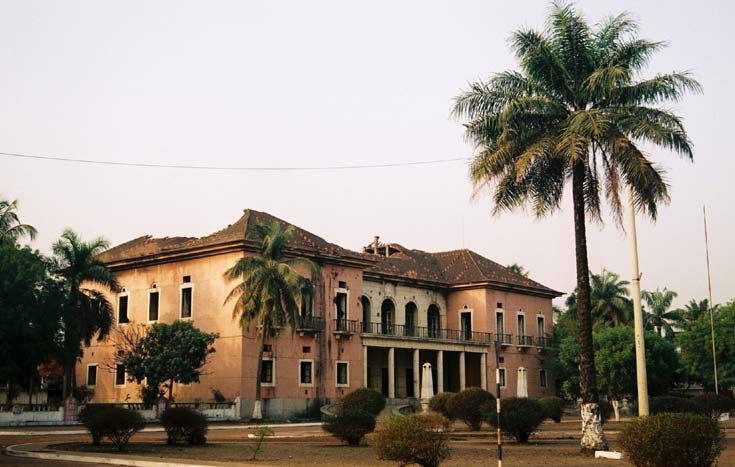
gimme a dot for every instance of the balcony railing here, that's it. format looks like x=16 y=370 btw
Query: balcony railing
x=545 y=341
x=525 y=340
x=402 y=330
x=310 y=323
x=504 y=339
x=346 y=326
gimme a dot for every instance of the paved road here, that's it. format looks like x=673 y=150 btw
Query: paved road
x=19 y=461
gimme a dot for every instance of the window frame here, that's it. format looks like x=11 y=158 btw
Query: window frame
x=543 y=378
x=504 y=379
x=542 y=318
x=148 y=306
x=125 y=376
x=273 y=373
x=346 y=363
x=125 y=294
x=501 y=313
x=96 y=374
x=186 y=285
x=520 y=313
x=301 y=362
x=346 y=292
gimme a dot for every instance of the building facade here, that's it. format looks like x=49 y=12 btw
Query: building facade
x=376 y=317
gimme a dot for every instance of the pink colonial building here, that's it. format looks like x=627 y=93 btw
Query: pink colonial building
x=377 y=316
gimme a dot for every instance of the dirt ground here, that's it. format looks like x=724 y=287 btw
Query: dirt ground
x=554 y=445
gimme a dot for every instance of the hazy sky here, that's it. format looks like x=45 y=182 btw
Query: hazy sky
x=330 y=83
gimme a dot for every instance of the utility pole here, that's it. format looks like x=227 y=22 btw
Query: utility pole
x=640 y=344
x=711 y=311
x=497 y=400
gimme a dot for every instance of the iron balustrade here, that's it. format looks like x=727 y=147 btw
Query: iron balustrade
x=311 y=323
x=401 y=330
x=545 y=341
x=525 y=340
x=346 y=326
x=504 y=339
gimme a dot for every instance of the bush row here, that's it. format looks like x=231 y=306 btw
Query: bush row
x=710 y=405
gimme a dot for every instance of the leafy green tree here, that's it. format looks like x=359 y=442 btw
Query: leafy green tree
x=696 y=348
x=87 y=312
x=577 y=110
x=692 y=311
x=616 y=368
x=658 y=316
x=30 y=308
x=518 y=269
x=10 y=227
x=270 y=290
x=168 y=354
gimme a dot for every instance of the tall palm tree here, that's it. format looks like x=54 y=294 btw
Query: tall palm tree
x=10 y=227
x=270 y=291
x=609 y=298
x=658 y=316
x=87 y=312
x=576 y=111
x=692 y=311
x=518 y=269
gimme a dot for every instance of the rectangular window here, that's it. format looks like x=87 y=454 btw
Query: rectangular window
x=91 y=375
x=306 y=349
x=521 y=325
x=268 y=374
x=540 y=325
x=542 y=378
x=120 y=375
x=267 y=348
x=501 y=377
x=186 y=296
x=341 y=301
x=122 y=310
x=343 y=374
x=499 y=325
x=153 y=306
x=305 y=372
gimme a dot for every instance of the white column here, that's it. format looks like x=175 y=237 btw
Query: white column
x=416 y=374
x=462 y=381
x=365 y=365
x=440 y=371
x=483 y=371
x=391 y=373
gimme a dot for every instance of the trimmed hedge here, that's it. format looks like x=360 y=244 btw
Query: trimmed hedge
x=350 y=426
x=673 y=440
x=414 y=439
x=115 y=423
x=519 y=417
x=670 y=404
x=440 y=404
x=88 y=418
x=469 y=406
x=553 y=408
x=184 y=424
x=714 y=405
x=365 y=399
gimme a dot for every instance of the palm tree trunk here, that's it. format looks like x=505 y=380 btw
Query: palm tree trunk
x=593 y=438
x=258 y=404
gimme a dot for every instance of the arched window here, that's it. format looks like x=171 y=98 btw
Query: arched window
x=366 y=324
x=411 y=316
x=433 y=319
x=387 y=313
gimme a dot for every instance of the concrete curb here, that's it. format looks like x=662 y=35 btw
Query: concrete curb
x=160 y=429
x=18 y=451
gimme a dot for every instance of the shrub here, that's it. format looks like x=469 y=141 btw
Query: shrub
x=218 y=396
x=440 y=404
x=670 y=404
x=365 y=399
x=149 y=394
x=260 y=434
x=468 y=406
x=519 y=417
x=553 y=408
x=414 y=439
x=350 y=426
x=606 y=410
x=673 y=440
x=118 y=424
x=714 y=405
x=184 y=423
x=82 y=394
x=88 y=418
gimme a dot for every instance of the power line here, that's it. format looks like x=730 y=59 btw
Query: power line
x=234 y=168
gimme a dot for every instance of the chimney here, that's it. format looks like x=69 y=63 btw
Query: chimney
x=387 y=250
x=376 y=242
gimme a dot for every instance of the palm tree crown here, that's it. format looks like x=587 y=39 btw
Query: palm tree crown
x=658 y=317
x=10 y=226
x=609 y=298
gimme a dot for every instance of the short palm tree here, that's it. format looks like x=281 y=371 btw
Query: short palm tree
x=692 y=311
x=270 y=291
x=576 y=111
x=609 y=298
x=658 y=317
x=10 y=227
x=87 y=312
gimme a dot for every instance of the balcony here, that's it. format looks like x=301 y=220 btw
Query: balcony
x=417 y=332
x=545 y=342
x=504 y=339
x=524 y=341
x=345 y=327
x=310 y=325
